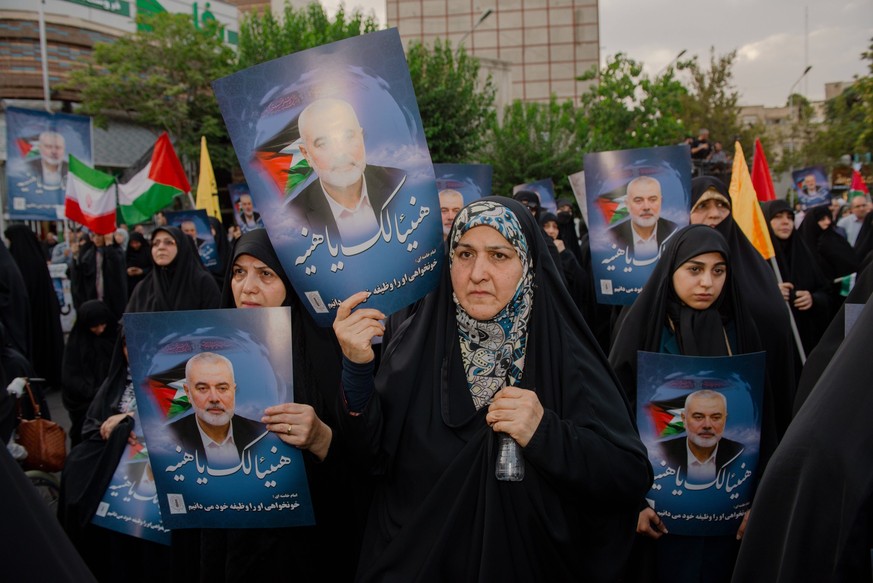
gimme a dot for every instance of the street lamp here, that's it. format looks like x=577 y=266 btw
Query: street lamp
x=676 y=58
x=791 y=91
x=485 y=14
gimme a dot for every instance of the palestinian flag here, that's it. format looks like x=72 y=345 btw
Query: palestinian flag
x=858 y=188
x=90 y=198
x=152 y=182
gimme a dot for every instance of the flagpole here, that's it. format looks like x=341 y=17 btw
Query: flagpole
x=794 y=329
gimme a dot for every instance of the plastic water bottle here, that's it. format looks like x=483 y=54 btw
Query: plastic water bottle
x=510 y=462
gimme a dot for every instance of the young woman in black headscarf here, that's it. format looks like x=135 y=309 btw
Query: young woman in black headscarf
x=834 y=255
x=178 y=280
x=711 y=206
x=690 y=306
x=138 y=259
x=45 y=312
x=86 y=360
x=108 y=428
x=813 y=515
x=328 y=550
x=576 y=278
x=499 y=347
x=804 y=286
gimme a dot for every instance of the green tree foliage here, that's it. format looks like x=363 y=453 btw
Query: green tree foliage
x=535 y=141
x=456 y=107
x=263 y=37
x=711 y=102
x=160 y=78
x=849 y=119
x=628 y=109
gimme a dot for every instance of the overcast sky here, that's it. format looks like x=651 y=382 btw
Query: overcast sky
x=770 y=37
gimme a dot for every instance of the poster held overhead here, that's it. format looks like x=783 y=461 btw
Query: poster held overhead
x=333 y=150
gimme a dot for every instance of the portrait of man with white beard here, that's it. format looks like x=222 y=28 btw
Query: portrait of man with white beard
x=348 y=201
x=644 y=232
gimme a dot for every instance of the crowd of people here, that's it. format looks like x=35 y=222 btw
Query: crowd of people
x=402 y=438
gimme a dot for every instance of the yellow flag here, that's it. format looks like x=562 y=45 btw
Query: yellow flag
x=746 y=210
x=207 y=189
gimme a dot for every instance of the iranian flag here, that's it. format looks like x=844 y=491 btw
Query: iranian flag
x=90 y=197
x=152 y=182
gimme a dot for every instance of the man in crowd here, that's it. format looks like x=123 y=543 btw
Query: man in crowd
x=451 y=203
x=851 y=223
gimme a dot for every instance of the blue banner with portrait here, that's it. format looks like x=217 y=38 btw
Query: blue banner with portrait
x=636 y=200
x=203 y=380
x=811 y=186
x=333 y=150
x=245 y=213
x=130 y=505
x=195 y=224
x=700 y=419
x=544 y=189
x=38 y=148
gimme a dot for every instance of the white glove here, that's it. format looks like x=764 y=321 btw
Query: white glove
x=16 y=387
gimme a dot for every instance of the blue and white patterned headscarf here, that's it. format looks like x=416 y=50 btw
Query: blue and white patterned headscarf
x=493 y=350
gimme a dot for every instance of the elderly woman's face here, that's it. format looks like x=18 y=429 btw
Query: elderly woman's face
x=485 y=271
x=710 y=212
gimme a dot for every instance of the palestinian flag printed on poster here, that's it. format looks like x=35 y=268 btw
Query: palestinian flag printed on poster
x=858 y=188
x=152 y=182
x=90 y=197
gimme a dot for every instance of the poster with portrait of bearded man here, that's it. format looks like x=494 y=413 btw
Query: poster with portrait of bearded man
x=334 y=154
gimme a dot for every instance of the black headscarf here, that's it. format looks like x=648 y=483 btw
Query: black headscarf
x=83 y=276
x=755 y=282
x=567 y=229
x=834 y=255
x=184 y=284
x=14 y=303
x=798 y=266
x=87 y=356
x=141 y=258
x=814 y=506
x=819 y=359
x=45 y=311
x=530 y=200
x=578 y=282
x=698 y=332
x=439 y=513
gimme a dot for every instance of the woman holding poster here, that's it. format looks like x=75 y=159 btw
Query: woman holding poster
x=689 y=306
x=499 y=348
x=327 y=551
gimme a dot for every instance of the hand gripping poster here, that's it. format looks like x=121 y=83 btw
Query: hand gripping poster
x=700 y=419
x=636 y=200
x=38 y=148
x=458 y=185
x=195 y=224
x=332 y=147
x=130 y=504
x=203 y=380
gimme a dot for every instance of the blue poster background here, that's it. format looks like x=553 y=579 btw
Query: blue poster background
x=473 y=181
x=130 y=504
x=822 y=193
x=545 y=189
x=261 y=106
x=269 y=487
x=619 y=276
x=30 y=198
x=663 y=383
x=206 y=247
x=236 y=190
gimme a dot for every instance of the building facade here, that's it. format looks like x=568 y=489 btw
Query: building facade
x=533 y=48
